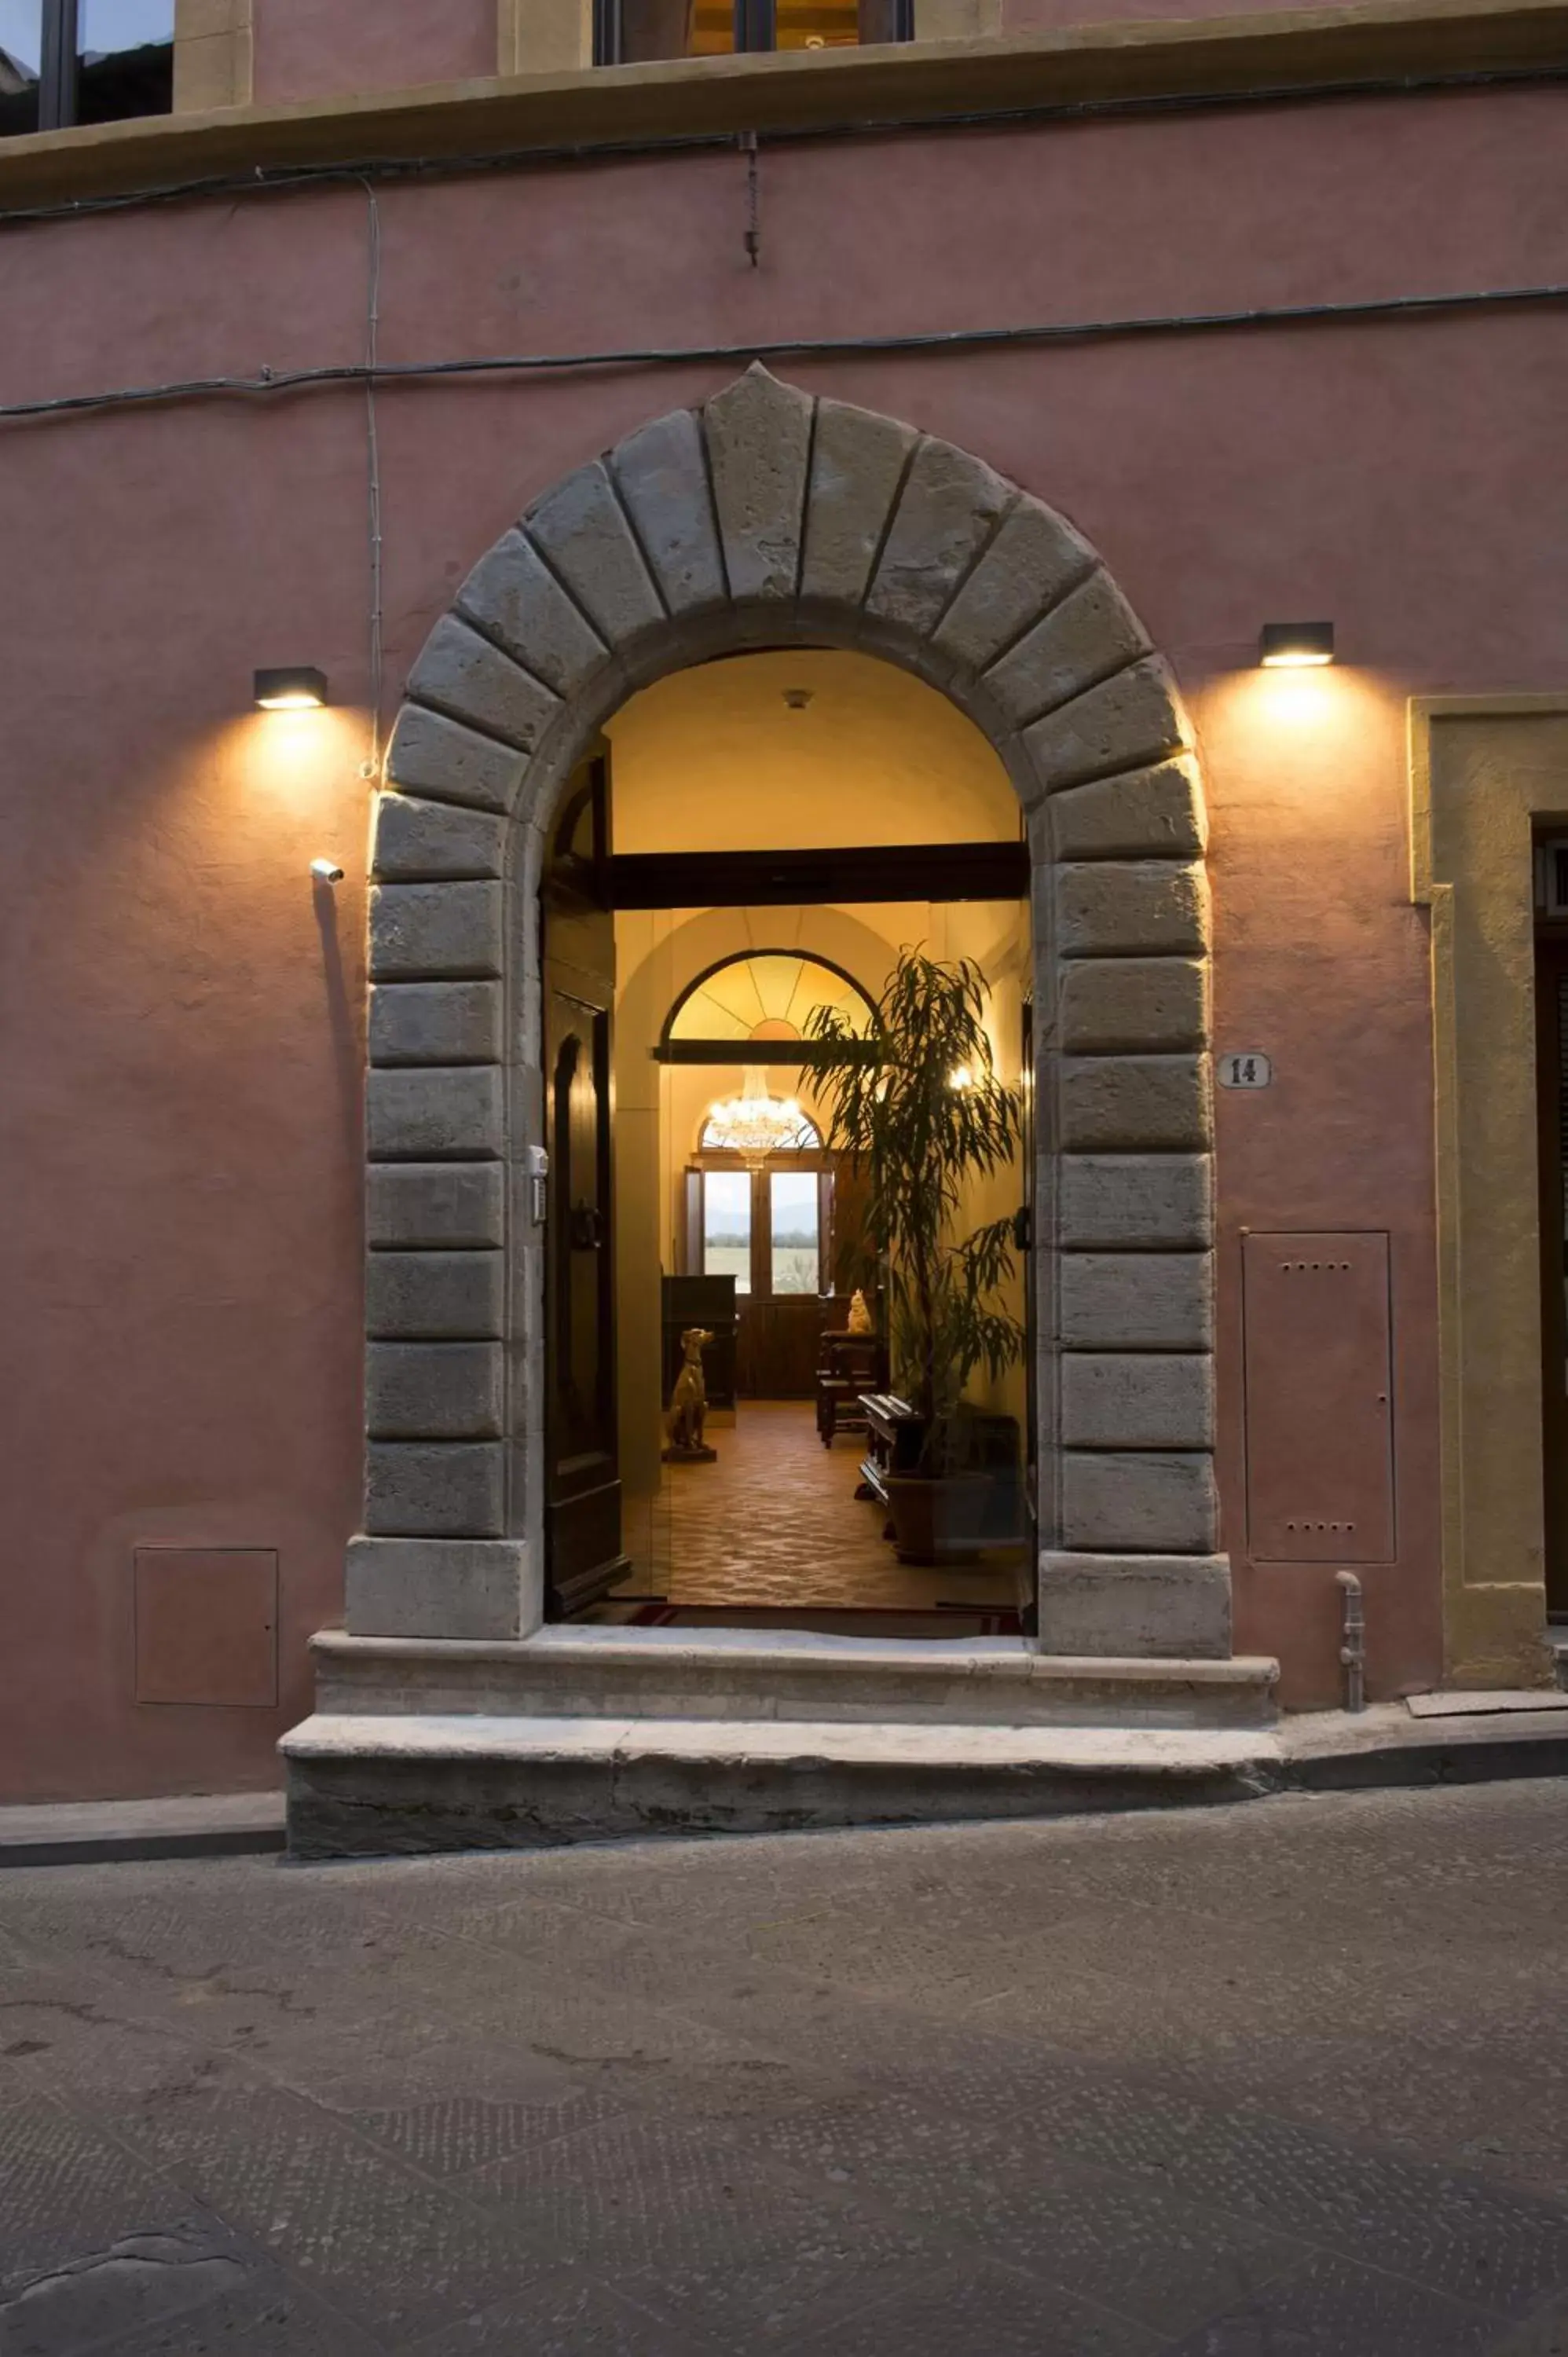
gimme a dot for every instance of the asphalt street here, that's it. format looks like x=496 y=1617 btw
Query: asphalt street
x=1289 y=2080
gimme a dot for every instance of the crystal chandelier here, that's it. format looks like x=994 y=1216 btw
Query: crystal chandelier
x=756 y=1124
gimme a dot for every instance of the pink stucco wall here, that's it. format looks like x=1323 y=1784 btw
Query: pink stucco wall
x=180 y=1115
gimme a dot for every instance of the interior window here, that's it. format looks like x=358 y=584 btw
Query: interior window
x=794 y=1231
x=727 y=1226
x=640 y=30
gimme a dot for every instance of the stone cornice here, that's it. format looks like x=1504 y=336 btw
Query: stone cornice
x=1228 y=57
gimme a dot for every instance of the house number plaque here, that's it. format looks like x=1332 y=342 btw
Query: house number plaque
x=1248 y=1068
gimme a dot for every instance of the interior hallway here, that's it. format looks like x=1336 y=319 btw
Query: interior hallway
x=775 y=1525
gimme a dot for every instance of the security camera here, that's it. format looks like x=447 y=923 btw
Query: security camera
x=327 y=871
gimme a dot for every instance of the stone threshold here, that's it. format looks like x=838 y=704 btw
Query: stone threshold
x=364 y=1785
x=782 y=1675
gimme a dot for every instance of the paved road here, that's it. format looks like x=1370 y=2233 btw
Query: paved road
x=1288 y=2079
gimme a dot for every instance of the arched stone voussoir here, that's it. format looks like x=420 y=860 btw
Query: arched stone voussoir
x=462 y=675
x=1091 y=634
x=1126 y=722
x=581 y=529
x=858 y=458
x=440 y=760
x=512 y=597
x=759 y=436
x=1034 y=559
x=948 y=508
x=661 y=475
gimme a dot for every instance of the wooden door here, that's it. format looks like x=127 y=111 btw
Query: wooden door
x=1551 y=1033
x=583 y=1541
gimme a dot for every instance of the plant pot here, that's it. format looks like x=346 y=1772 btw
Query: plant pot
x=938 y=1521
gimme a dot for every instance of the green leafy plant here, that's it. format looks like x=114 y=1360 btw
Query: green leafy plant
x=919 y=1114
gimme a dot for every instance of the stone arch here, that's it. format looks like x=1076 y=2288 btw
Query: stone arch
x=766 y=518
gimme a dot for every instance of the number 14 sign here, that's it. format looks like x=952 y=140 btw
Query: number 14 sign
x=1249 y=1067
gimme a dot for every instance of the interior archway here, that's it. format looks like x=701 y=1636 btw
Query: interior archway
x=771 y=520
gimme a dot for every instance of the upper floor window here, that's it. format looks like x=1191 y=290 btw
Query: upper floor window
x=64 y=61
x=628 y=32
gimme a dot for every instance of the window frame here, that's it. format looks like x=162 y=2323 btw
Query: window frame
x=756 y=27
x=693 y=1226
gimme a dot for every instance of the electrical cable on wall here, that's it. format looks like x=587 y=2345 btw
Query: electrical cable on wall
x=1370 y=310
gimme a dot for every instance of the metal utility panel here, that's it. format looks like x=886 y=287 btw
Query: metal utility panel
x=1319 y=1383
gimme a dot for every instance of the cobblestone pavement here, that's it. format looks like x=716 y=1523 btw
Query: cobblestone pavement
x=1287 y=2081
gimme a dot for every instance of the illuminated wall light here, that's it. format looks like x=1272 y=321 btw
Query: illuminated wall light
x=297 y=688
x=1295 y=646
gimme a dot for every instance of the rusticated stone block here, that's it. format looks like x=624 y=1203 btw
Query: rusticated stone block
x=1146 y=813
x=436 y=1023
x=1125 y=723
x=1135 y=1300
x=759 y=441
x=1148 y=1203
x=434 y=1297
x=1091 y=634
x=1132 y=1399
x=449 y=1206
x=1125 y=908
x=433 y=1391
x=432 y=1113
x=948 y=506
x=454 y=1489
x=432 y=755
x=419 y=842
x=1154 y=1502
x=582 y=529
x=1036 y=558
x=1111 y=1004
x=436 y=930
x=461 y=674
x=1147 y=1606
x=475 y=1590
x=1111 y=1103
x=663 y=477
x=857 y=464
x=512 y=597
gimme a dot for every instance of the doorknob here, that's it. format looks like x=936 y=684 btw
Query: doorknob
x=587 y=1227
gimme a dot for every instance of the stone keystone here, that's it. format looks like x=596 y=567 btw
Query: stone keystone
x=759 y=443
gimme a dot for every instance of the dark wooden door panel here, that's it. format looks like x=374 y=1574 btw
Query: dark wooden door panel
x=1551 y=1011
x=582 y=1454
x=1319 y=1398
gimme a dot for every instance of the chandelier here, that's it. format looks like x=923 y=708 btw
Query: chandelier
x=756 y=1123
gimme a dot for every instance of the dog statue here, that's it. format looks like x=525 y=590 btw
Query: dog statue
x=689 y=1405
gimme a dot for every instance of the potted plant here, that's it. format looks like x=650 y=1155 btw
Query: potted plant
x=921 y=1116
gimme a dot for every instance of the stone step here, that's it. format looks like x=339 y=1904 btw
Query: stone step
x=360 y=1785
x=727 y=1673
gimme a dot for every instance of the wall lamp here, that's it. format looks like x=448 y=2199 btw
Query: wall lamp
x=1295 y=646
x=298 y=687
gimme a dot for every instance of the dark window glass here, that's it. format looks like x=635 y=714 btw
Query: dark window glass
x=125 y=58
x=93 y=61
x=21 y=54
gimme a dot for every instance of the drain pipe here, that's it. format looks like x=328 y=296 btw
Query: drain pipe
x=1353 y=1641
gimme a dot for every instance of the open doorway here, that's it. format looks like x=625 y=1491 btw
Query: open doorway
x=762 y=837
